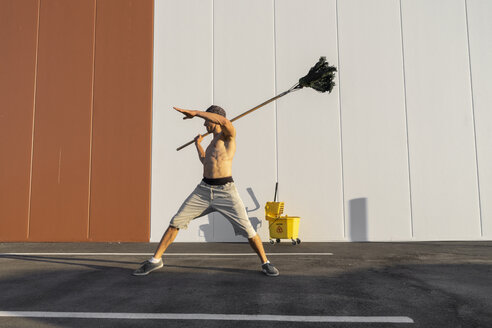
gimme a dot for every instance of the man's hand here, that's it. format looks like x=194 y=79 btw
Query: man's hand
x=198 y=139
x=187 y=113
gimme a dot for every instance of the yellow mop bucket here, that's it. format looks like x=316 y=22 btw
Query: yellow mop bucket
x=281 y=227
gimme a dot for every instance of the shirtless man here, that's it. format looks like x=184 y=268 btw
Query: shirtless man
x=216 y=192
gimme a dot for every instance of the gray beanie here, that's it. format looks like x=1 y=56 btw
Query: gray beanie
x=216 y=110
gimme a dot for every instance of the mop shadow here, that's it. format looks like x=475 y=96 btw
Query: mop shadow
x=78 y=262
x=219 y=229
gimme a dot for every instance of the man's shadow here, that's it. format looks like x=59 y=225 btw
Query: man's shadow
x=215 y=218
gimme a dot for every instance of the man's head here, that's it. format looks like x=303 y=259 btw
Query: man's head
x=211 y=127
x=216 y=110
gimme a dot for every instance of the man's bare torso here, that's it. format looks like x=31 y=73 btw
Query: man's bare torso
x=218 y=157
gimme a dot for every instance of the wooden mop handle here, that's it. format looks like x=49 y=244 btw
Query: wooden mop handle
x=242 y=115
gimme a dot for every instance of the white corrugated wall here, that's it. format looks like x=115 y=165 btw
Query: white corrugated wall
x=400 y=150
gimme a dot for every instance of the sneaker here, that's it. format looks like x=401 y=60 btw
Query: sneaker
x=147 y=267
x=269 y=270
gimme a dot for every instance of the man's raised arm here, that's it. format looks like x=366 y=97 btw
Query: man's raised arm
x=226 y=125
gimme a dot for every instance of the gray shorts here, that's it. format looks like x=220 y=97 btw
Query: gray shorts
x=206 y=199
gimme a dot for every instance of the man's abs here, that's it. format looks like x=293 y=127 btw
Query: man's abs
x=213 y=168
x=218 y=160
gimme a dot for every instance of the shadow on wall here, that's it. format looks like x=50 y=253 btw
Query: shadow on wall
x=358 y=219
x=207 y=230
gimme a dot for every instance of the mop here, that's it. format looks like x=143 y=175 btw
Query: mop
x=320 y=78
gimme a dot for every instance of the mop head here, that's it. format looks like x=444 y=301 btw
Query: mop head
x=320 y=77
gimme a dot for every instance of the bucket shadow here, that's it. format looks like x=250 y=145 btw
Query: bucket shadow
x=358 y=219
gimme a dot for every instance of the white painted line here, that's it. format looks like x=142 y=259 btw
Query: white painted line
x=166 y=254
x=76 y=254
x=205 y=316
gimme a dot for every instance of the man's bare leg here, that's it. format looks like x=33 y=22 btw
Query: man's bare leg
x=257 y=246
x=166 y=240
x=266 y=266
x=156 y=262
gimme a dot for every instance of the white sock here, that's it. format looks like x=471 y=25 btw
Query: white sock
x=154 y=260
x=266 y=262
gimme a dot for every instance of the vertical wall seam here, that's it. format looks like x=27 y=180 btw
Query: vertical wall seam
x=213 y=92
x=213 y=51
x=406 y=121
x=33 y=119
x=473 y=117
x=340 y=120
x=275 y=84
x=92 y=119
x=149 y=231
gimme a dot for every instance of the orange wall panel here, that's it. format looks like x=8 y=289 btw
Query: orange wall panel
x=121 y=156
x=18 y=34
x=62 y=129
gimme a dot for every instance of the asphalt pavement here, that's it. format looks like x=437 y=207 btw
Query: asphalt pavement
x=421 y=284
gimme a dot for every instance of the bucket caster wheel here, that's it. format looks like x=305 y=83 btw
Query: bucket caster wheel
x=294 y=242
x=278 y=240
x=272 y=241
x=298 y=241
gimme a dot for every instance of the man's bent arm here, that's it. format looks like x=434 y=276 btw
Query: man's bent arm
x=199 y=148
